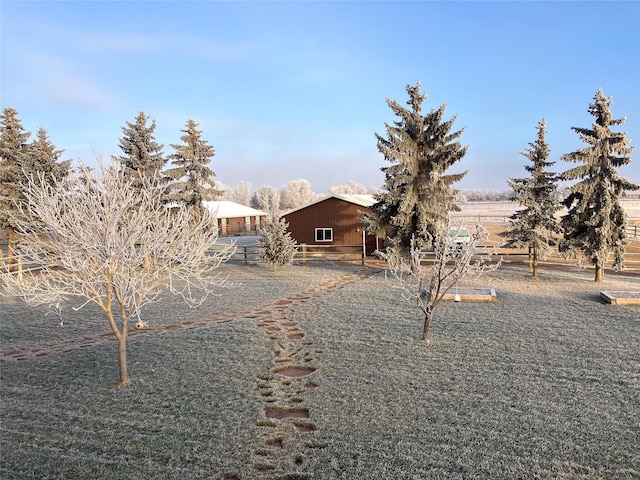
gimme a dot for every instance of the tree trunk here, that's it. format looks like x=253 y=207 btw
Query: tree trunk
x=535 y=263
x=425 y=330
x=11 y=249
x=122 y=357
x=599 y=273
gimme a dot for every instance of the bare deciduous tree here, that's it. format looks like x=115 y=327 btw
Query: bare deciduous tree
x=242 y=193
x=350 y=188
x=267 y=199
x=296 y=193
x=452 y=260
x=118 y=247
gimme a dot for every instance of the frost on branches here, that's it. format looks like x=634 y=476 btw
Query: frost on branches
x=595 y=223
x=105 y=242
x=277 y=248
x=428 y=275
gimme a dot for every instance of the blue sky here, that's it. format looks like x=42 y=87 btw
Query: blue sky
x=290 y=90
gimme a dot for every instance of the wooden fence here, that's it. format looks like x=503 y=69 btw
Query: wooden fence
x=18 y=264
x=249 y=254
x=523 y=257
x=632 y=230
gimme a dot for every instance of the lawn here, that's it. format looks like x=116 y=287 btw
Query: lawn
x=543 y=383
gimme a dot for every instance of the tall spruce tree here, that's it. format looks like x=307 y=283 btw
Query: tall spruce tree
x=14 y=152
x=417 y=195
x=142 y=154
x=45 y=158
x=190 y=179
x=594 y=226
x=535 y=225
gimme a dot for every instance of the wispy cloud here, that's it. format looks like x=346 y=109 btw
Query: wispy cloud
x=63 y=84
x=129 y=43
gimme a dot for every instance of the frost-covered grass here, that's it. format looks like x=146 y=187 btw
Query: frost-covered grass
x=544 y=383
x=256 y=285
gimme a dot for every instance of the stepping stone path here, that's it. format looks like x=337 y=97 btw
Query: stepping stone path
x=287 y=424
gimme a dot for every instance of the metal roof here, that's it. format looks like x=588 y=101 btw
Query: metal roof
x=357 y=199
x=228 y=209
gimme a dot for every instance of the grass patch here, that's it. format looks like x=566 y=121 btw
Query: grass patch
x=542 y=383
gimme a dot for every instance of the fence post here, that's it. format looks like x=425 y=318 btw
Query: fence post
x=20 y=268
x=304 y=254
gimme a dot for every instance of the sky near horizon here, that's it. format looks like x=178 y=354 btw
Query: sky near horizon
x=297 y=89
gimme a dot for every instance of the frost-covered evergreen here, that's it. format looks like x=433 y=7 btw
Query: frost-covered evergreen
x=45 y=158
x=19 y=161
x=14 y=152
x=535 y=225
x=417 y=195
x=594 y=227
x=190 y=179
x=277 y=248
x=142 y=154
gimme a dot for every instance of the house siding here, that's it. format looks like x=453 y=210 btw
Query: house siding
x=342 y=217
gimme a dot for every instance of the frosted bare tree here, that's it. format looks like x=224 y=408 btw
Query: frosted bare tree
x=118 y=247
x=267 y=199
x=225 y=191
x=296 y=193
x=452 y=260
x=242 y=193
x=350 y=188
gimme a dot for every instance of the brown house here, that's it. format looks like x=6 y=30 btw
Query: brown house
x=335 y=220
x=235 y=219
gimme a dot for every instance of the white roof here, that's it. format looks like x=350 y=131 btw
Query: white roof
x=357 y=199
x=228 y=209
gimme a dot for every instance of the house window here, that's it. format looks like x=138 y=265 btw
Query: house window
x=324 y=234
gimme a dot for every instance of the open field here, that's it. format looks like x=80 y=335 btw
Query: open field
x=318 y=373
x=499 y=212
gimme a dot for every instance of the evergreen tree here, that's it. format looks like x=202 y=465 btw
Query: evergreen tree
x=142 y=154
x=276 y=247
x=190 y=180
x=417 y=195
x=14 y=151
x=46 y=159
x=594 y=226
x=535 y=225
